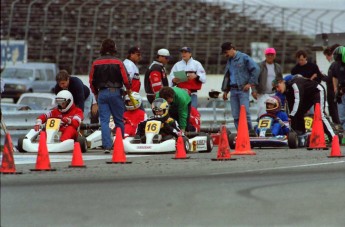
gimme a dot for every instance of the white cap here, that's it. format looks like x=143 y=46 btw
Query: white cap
x=163 y=52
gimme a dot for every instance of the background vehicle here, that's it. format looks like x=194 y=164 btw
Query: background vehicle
x=28 y=77
x=40 y=100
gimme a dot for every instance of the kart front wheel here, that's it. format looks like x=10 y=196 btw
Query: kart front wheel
x=186 y=144
x=209 y=144
x=232 y=138
x=292 y=140
x=20 y=144
x=83 y=144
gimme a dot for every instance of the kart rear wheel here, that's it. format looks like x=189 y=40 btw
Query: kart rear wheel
x=186 y=144
x=232 y=138
x=20 y=144
x=292 y=140
x=83 y=144
x=209 y=143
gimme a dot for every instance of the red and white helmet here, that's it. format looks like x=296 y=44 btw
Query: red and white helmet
x=275 y=101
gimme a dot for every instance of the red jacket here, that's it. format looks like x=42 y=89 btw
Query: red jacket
x=132 y=118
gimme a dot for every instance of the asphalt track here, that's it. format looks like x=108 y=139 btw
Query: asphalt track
x=275 y=187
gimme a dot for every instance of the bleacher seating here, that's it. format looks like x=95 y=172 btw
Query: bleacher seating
x=69 y=32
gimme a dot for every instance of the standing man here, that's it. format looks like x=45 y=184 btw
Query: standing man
x=156 y=76
x=269 y=70
x=305 y=68
x=107 y=76
x=133 y=58
x=80 y=92
x=339 y=81
x=196 y=74
x=301 y=94
x=241 y=74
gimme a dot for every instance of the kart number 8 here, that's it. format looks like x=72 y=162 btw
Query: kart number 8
x=53 y=123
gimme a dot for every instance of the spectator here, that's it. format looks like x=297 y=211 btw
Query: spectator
x=133 y=58
x=301 y=94
x=107 y=77
x=195 y=73
x=332 y=104
x=269 y=70
x=80 y=92
x=156 y=76
x=68 y=112
x=180 y=105
x=241 y=74
x=305 y=68
x=338 y=73
x=2 y=85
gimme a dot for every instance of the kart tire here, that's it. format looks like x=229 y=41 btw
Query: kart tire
x=232 y=138
x=83 y=144
x=186 y=144
x=209 y=143
x=292 y=140
x=20 y=144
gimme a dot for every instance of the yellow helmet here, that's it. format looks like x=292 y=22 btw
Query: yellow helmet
x=160 y=104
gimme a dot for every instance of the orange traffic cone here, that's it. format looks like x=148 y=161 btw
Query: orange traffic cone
x=7 y=164
x=335 y=152
x=43 y=161
x=77 y=159
x=119 y=156
x=317 y=137
x=242 y=142
x=223 y=147
x=180 y=149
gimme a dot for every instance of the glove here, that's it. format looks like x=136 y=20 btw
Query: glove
x=38 y=125
x=66 y=120
x=281 y=123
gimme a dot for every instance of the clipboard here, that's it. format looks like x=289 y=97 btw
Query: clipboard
x=181 y=75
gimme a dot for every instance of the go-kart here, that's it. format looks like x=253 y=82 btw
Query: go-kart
x=30 y=142
x=153 y=142
x=264 y=137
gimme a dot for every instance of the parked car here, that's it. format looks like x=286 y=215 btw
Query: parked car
x=28 y=77
x=39 y=101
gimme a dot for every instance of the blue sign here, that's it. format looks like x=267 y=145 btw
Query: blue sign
x=13 y=52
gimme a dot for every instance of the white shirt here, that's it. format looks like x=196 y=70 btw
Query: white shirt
x=191 y=65
x=271 y=75
x=132 y=69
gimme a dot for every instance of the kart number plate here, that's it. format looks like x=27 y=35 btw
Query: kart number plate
x=308 y=122
x=53 y=123
x=265 y=123
x=153 y=127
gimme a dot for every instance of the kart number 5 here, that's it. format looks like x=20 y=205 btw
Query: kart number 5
x=264 y=123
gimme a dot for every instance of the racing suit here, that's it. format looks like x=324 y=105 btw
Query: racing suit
x=155 y=79
x=193 y=85
x=280 y=126
x=133 y=72
x=68 y=130
x=302 y=93
x=132 y=118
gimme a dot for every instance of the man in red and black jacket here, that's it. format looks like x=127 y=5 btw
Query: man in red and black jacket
x=107 y=77
x=156 y=76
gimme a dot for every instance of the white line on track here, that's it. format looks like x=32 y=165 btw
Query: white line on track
x=283 y=167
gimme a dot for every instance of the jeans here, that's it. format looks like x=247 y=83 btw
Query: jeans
x=194 y=98
x=341 y=111
x=238 y=98
x=110 y=102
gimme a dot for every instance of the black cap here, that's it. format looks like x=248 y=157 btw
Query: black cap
x=134 y=50
x=227 y=46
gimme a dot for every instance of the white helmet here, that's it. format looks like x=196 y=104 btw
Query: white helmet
x=129 y=104
x=62 y=97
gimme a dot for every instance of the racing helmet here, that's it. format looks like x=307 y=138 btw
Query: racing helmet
x=129 y=105
x=62 y=97
x=160 y=104
x=273 y=104
x=339 y=54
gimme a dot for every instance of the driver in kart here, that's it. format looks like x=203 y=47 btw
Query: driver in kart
x=70 y=116
x=169 y=127
x=280 y=126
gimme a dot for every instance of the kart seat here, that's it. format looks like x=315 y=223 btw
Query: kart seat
x=213 y=94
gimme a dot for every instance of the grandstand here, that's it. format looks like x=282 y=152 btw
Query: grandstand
x=69 y=32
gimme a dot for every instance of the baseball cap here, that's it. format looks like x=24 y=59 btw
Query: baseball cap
x=187 y=49
x=164 y=52
x=275 y=82
x=270 y=50
x=226 y=46
x=133 y=50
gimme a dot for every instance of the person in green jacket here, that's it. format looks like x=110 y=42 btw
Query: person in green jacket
x=180 y=104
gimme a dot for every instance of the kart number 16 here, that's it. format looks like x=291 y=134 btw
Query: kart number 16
x=153 y=126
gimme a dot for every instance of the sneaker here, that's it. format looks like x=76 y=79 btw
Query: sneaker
x=107 y=151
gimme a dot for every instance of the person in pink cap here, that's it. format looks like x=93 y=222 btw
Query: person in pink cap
x=269 y=70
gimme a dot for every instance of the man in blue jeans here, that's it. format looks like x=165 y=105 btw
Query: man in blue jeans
x=107 y=77
x=241 y=74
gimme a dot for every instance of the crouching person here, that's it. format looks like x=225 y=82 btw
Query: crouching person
x=70 y=116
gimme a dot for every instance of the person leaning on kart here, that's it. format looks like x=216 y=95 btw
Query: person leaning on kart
x=70 y=116
x=280 y=126
x=169 y=127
